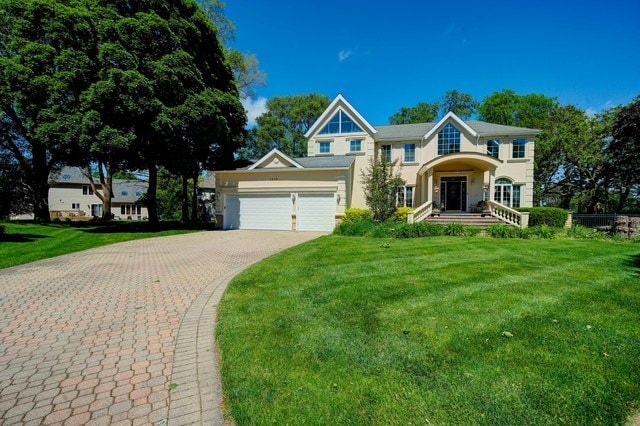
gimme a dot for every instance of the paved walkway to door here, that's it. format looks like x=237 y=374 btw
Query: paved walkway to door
x=97 y=337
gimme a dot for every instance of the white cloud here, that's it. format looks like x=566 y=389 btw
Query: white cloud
x=255 y=108
x=344 y=54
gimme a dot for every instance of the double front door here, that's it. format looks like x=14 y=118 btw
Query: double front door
x=453 y=193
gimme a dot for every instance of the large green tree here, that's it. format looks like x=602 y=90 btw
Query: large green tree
x=284 y=124
x=623 y=153
x=164 y=86
x=47 y=55
x=462 y=104
x=420 y=113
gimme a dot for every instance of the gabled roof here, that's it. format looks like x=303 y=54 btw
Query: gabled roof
x=132 y=189
x=339 y=103
x=275 y=153
x=453 y=117
x=424 y=130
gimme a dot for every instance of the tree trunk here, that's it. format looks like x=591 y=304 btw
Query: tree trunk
x=152 y=199
x=40 y=184
x=624 y=196
x=185 y=199
x=107 y=191
x=194 y=199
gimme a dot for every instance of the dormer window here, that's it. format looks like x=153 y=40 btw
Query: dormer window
x=340 y=123
x=493 y=148
x=448 y=140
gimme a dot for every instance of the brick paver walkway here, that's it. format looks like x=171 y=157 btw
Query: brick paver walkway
x=96 y=337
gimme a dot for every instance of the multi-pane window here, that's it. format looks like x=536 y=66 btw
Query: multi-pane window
x=355 y=145
x=409 y=152
x=385 y=152
x=340 y=123
x=75 y=206
x=506 y=193
x=130 y=209
x=493 y=148
x=448 y=140
x=87 y=190
x=324 y=147
x=405 y=196
x=519 y=145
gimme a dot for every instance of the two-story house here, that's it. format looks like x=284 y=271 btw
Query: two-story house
x=452 y=165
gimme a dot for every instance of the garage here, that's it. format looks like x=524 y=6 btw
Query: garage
x=258 y=211
x=316 y=212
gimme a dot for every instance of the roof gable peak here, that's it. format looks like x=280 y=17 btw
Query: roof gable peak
x=339 y=103
x=275 y=153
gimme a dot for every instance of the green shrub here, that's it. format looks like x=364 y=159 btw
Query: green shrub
x=505 y=231
x=584 y=233
x=417 y=230
x=400 y=215
x=384 y=229
x=543 y=231
x=471 y=231
x=360 y=227
x=454 y=229
x=1 y=230
x=550 y=216
x=355 y=214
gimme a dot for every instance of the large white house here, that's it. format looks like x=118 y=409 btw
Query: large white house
x=452 y=165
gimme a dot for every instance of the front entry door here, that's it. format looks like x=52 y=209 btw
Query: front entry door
x=453 y=192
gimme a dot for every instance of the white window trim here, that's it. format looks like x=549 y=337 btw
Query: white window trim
x=320 y=141
x=404 y=154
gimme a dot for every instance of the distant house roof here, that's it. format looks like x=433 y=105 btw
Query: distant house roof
x=417 y=131
x=124 y=190
x=209 y=181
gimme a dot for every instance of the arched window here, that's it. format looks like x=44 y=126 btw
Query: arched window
x=448 y=140
x=506 y=193
x=493 y=148
x=340 y=123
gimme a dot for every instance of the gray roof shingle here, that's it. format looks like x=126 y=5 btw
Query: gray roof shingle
x=417 y=131
x=124 y=190
x=328 y=162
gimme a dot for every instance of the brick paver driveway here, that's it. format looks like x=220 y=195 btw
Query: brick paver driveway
x=97 y=337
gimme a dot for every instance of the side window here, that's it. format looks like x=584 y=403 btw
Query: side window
x=409 y=152
x=355 y=145
x=385 y=152
x=493 y=148
x=519 y=145
x=324 y=147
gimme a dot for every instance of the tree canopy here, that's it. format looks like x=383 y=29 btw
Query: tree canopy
x=118 y=83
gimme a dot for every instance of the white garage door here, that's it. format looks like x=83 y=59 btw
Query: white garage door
x=316 y=212
x=258 y=212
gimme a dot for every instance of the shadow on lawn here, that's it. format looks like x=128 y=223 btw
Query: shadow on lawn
x=20 y=238
x=634 y=262
x=140 y=227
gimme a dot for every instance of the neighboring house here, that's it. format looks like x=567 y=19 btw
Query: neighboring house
x=207 y=188
x=453 y=165
x=71 y=195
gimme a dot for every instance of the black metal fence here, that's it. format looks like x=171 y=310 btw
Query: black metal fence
x=596 y=220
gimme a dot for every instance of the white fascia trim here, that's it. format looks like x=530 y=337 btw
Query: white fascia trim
x=275 y=151
x=453 y=117
x=330 y=109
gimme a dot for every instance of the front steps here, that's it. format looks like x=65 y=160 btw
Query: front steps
x=464 y=218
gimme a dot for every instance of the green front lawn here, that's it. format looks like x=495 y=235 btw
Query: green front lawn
x=441 y=330
x=24 y=242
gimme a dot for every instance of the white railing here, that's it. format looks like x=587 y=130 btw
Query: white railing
x=508 y=215
x=420 y=213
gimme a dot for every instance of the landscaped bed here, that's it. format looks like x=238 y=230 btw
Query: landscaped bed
x=441 y=330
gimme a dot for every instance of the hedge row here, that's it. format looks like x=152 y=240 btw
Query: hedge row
x=549 y=216
x=391 y=229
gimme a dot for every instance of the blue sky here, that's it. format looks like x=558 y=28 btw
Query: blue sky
x=385 y=55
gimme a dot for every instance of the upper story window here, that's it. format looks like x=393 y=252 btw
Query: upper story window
x=409 y=152
x=355 y=145
x=324 y=147
x=124 y=193
x=340 y=123
x=385 y=152
x=519 y=145
x=493 y=148
x=448 y=140
x=87 y=190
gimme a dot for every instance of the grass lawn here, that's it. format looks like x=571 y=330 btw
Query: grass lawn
x=25 y=242
x=443 y=330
